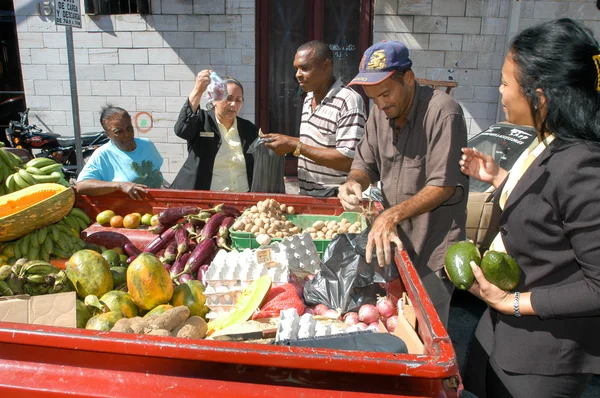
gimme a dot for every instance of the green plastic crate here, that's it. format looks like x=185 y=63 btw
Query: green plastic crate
x=246 y=240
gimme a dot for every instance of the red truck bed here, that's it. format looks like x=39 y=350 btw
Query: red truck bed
x=52 y=361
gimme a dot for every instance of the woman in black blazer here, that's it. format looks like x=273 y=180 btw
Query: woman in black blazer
x=542 y=339
x=201 y=130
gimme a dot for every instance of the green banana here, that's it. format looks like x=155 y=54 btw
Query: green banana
x=51 y=168
x=33 y=253
x=27 y=177
x=34 y=170
x=42 y=234
x=48 y=246
x=44 y=253
x=34 y=241
x=81 y=223
x=15 y=284
x=77 y=212
x=4 y=289
x=5 y=271
x=18 y=249
x=45 y=179
x=38 y=267
x=55 y=233
x=28 y=289
x=25 y=243
x=4 y=156
x=65 y=229
x=19 y=181
x=3 y=190
x=40 y=162
x=15 y=160
x=8 y=182
x=71 y=223
x=35 y=278
x=60 y=253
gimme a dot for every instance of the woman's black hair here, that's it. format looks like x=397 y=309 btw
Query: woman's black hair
x=557 y=57
x=229 y=79
x=108 y=112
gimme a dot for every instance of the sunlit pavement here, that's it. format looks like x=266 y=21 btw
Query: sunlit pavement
x=465 y=311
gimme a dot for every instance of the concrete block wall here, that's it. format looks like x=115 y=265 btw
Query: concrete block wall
x=143 y=63
x=466 y=41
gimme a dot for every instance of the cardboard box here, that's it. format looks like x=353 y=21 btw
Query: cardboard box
x=50 y=309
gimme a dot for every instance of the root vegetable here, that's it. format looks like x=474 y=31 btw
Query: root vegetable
x=171 y=318
x=290 y=210
x=391 y=323
x=385 y=307
x=122 y=326
x=193 y=328
x=263 y=239
x=351 y=318
x=320 y=309
x=368 y=313
x=159 y=332
x=353 y=229
x=138 y=324
x=318 y=225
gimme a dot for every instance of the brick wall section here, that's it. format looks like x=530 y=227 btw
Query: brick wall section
x=143 y=63
x=465 y=41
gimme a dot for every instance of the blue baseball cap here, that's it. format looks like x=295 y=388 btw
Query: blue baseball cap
x=380 y=61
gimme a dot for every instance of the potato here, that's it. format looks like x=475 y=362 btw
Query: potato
x=194 y=328
x=324 y=230
x=122 y=326
x=342 y=230
x=318 y=225
x=331 y=224
x=171 y=318
x=329 y=234
x=159 y=332
x=255 y=229
x=254 y=209
x=353 y=229
x=290 y=210
x=283 y=208
x=238 y=225
x=248 y=227
x=138 y=324
x=320 y=235
x=313 y=235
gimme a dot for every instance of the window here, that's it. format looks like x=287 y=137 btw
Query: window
x=108 y=7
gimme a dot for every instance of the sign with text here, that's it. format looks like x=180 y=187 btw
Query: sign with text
x=67 y=13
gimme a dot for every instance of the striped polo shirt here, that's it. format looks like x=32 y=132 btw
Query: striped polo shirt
x=337 y=122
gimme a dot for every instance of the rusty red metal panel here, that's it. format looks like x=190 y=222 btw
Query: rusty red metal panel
x=90 y=363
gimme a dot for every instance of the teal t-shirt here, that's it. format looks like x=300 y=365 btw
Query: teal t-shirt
x=109 y=163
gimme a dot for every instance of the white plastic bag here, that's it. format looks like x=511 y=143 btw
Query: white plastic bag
x=216 y=90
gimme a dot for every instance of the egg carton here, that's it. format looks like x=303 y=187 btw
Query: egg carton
x=219 y=310
x=293 y=327
x=302 y=254
x=221 y=295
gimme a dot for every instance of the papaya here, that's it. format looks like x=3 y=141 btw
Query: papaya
x=501 y=270
x=190 y=294
x=458 y=263
x=120 y=301
x=148 y=282
x=83 y=314
x=105 y=321
x=158 y=310
x=89 y=273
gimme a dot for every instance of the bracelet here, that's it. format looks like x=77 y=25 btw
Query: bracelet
x=297 y=150
x=516 y=305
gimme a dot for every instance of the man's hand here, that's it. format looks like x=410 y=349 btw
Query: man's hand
x=280 y=144
x=350 y=194
x=133 y=190
x=383 y=234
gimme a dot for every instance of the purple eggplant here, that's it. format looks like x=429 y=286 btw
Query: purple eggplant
x=212 y=226
x=181 y=239
x=178 y=265
x=202 y=271
x=131 y=250
x=200 y=255
x=170 y=253
x=158 y=228
x=227 y=210
x=223 y=233
x=167 y=267
x=189 y=227
x=130 y=259
x=184 y=278
x=174 y=214
x=162 y=240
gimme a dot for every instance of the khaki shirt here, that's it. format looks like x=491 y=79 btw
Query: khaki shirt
x=424 y=152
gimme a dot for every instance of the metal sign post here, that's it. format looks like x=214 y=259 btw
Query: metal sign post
x=67 y=13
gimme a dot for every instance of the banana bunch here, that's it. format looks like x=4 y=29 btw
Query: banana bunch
x=77 y=220
x=36 y=171
x=8 y=162
x=33 y=277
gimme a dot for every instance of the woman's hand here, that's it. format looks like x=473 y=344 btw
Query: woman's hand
x=480 y=166
x=499 y=299
x=202 y=82
x=133 y=190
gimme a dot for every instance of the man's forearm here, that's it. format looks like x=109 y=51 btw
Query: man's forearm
x=331 y=158
x=361 y=177
x=426 y=200
x=97 y=187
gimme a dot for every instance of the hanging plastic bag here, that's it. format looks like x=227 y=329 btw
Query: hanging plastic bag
x=268 y=169
x=216 y=90
x=346 y=281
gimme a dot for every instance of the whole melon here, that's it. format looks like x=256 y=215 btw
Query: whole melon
x=117 y=300
x=191 y=294
x=148 y=282
x=104 y=321
x=89 y=273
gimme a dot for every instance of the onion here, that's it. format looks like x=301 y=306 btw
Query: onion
x=390 y=324
x=374 y=324
x=351 y=318
x=309 y=310
x=361 y=326
x=385 y=306
x=368 y=313
x=331 y=314
x=320 y=309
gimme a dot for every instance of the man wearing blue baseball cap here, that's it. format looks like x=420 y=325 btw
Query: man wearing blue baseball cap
x=412 y=143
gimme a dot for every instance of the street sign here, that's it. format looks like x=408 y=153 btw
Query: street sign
x=67 y=13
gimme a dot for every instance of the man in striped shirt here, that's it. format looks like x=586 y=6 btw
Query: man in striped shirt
x=332 y=124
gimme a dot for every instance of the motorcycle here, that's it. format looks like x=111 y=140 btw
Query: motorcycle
x=20 y=134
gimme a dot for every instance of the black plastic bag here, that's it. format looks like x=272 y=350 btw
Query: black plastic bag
x=268 y=169
x=346 y=281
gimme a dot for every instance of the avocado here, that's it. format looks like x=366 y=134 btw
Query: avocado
x=458 y=263
x=501 y=270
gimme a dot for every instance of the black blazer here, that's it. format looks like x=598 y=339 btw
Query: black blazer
x=551 y=226
x=196 y=173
